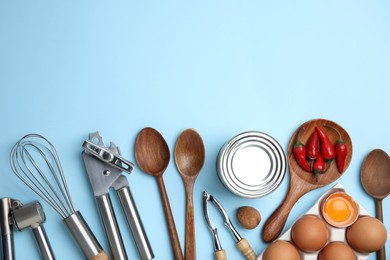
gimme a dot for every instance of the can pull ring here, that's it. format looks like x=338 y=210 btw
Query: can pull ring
x=241 y=243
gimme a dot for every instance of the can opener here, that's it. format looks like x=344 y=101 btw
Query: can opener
x=31 y=215
x=104 y=166
x=241 y=243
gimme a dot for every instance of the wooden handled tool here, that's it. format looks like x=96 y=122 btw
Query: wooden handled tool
x=242 y=244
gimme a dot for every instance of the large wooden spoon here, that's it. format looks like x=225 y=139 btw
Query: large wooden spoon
x=301 y=181
x=189 y=157
x=152 y=155
x=375 y=178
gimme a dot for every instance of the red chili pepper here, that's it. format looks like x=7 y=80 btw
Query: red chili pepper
x=312 y=148
x=300 y=153
x=327 y=149
x=319 y=166
x=341 y=151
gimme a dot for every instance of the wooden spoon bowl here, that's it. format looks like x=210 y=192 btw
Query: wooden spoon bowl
x=332 y=172
x=151 y=152
x=302 y=181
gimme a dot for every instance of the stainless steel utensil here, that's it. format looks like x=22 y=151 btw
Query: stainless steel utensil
x=35 y=161
x=7 y=238
x=31 y=215
x=241 y=243
x=104 y=168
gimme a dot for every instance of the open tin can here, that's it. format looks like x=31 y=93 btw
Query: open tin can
x=252 y=164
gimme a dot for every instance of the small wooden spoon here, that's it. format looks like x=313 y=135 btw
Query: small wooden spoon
x=301 y=181
x=152 y=155
x=375 y=178
x=189 y=157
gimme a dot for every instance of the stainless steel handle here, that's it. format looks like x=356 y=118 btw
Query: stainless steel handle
x=8 y=247
x=7 y=238
x=43 y=243
x=135 y=224
x=111 y=227
x=83 y=235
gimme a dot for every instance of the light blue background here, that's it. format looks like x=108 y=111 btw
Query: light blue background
x=68 y=68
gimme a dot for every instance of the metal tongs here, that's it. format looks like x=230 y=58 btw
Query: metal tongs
x=104 y=168
x=241 y=243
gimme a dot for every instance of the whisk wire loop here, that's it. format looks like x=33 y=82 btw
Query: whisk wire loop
x=29 y=171
x=56 y=199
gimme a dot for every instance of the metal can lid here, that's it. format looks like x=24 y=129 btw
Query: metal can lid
x=252 y=164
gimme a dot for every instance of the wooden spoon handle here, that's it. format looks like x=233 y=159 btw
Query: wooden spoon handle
x=244 y=246
x=175 y=242
x=379 y=211
x=275 y=223
x=381 y=253
x=190 y=246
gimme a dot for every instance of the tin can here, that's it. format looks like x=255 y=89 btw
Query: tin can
x=252 y=164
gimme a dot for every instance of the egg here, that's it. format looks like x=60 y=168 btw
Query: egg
x=339 y=209
x=366 y=235
x=281 y=250
x=336 y=250
x=309 y=233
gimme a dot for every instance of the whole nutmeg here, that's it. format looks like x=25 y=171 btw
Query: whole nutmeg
x=248 y=217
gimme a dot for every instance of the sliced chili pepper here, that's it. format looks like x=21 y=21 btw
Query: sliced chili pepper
x=299 y=151
x=312 y=148
x=319 y=166
x=326 y=146
x=341 y=151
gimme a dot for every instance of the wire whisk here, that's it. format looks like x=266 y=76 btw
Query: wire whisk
x=35 y=161
x=27 y=169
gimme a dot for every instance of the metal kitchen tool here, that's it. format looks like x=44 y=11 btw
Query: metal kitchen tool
x=31 y=215
x=7 y=238
x=35 y=161
x=241 y=243
x=104 y=168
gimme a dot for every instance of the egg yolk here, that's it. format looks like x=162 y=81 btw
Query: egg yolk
x=338 y=209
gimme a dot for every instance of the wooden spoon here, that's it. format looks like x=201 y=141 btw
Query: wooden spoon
x=375 y=178
x=152 y=155
x=301 y=181
x=189 y=157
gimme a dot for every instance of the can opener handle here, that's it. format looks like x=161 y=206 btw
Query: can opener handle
x=104 y=168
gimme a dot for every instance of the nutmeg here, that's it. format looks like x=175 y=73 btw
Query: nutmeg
x=248 y=217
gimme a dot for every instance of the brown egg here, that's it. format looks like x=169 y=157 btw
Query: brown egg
x=309 y=233
x=366 y=235
x=281 y=250
x=248 y=217
x=337 y=250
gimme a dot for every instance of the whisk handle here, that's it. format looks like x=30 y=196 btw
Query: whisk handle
x=101 y=256
x=84 y=237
